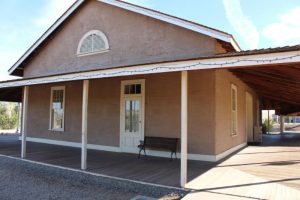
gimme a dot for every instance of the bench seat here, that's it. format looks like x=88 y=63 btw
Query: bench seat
x=169 y=144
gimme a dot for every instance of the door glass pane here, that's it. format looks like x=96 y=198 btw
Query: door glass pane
x=127 y=89
x=57 y=114
x=132 y=89
x=132 y=113
x=138 y=89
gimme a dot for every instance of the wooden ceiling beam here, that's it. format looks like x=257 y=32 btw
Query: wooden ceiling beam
x=264 y=80
x=273 y=86
x=284 y=94
x=284 y=97
x=265 y=76
x=283 y=72
x=276 y=98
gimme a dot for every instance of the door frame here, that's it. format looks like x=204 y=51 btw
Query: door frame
x=124 y=97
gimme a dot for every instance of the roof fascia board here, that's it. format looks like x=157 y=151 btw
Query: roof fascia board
x=235 y=45
x=246 y=61
x=46 y=34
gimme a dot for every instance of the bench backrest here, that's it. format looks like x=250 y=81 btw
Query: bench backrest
x=161 y=142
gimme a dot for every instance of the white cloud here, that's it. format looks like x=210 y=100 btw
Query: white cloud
x=20 y=38
x=52 y=11
x=241 y=23
x=286 y=31
x=7 y=59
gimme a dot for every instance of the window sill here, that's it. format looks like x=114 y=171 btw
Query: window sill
x=56 y=130
x=92 y=53
x=234 y=135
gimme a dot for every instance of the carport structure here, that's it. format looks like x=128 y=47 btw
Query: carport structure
x=276 y=84
x=272 y=73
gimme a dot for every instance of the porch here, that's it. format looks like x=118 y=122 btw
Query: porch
x=268 y=171
x=124 y=165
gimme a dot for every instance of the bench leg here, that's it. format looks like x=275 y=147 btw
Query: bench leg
x=140 y=153
x=171 y=156
x=142 y=149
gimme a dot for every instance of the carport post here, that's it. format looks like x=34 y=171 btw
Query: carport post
x=184 y=108
x=85 y=100
x=24 y=119
x=281 y=124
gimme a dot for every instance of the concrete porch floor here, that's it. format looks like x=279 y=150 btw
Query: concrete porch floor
x=269 y=171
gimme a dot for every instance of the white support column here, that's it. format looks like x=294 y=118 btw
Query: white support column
x=85 y=100
x=281 y=124
x=184 y=108
x=24 y=121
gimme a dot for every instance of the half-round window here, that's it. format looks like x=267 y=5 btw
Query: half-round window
x=93 y=42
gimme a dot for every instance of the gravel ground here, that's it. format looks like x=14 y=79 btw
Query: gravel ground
x=20 y=180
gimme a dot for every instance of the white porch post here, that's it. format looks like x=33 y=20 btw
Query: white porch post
x=84 y=123
x=184 y=108
x=281 y=124
x=24 y=121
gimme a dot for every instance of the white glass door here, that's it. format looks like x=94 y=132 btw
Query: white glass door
x=132 y=115
x=132 y=127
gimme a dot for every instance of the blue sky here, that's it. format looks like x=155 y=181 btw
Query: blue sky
x=254 y=23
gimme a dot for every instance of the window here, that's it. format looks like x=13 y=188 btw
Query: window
x=233 y=109
x=133 y=89
x=57 y=108
x=93 y=42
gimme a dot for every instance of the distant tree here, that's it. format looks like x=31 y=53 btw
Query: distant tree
x=8 y=115
x=268 y=124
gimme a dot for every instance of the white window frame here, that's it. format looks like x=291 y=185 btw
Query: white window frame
x=234 y=114
x=51 y=102
x=133 y=82
x=96 y=32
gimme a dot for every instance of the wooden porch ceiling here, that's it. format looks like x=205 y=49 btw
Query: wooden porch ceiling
x=277 y=85
x=11 y=94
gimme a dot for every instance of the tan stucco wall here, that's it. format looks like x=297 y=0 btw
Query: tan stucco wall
x=133 y=39
x=201 y=98
x=39 y=112
x=209 y=114
x=224 y=139
x=162 y=110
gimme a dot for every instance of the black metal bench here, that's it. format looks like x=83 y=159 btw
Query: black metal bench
x=159 y=143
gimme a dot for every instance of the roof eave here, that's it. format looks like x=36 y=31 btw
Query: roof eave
x=240 y=61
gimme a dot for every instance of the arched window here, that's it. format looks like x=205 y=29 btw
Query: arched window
x=93 y=42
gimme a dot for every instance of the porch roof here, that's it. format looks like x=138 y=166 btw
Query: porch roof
x=279 y=57
x=273 y=73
